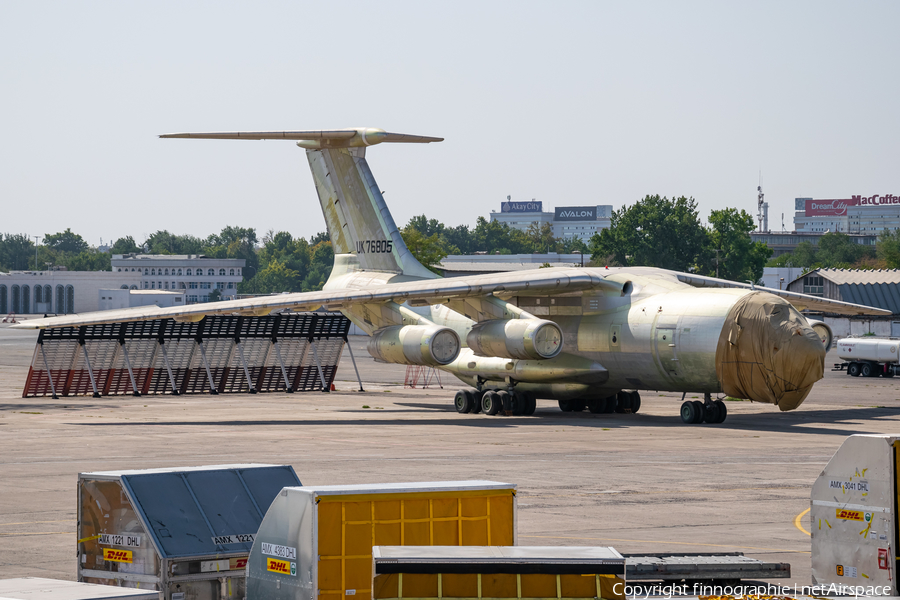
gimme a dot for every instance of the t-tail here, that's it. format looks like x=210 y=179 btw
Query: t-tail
x=359 y=222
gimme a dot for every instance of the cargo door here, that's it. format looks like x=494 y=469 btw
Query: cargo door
x=666 y=346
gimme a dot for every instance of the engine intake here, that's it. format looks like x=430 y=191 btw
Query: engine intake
x=426 y=345
x=535 y=339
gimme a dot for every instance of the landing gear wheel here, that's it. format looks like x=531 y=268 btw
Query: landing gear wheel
x=723 y=411
x=611 y=403
x=463 y=401
x=565 y=405
x=635 y=402
x=490 y=403
x=688 y=411
x=699 y=411
x=505 y=402
x=476 y=401
x=710 y=413
x=577 y=405
x=517 y=401
x=530 y=402
x=597 y=405
x=853 y=370
x=623 y=402
x=866 y=370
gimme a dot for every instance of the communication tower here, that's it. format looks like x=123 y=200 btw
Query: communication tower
x=763 y=208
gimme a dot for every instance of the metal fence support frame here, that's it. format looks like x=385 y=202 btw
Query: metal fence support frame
x=212 y=384
x=352 y=358
x=240 y=350
x=162 y=346
x=90 y=371
x=134 y=388
x=287 y=383
x=318 y=365
x=49 y=374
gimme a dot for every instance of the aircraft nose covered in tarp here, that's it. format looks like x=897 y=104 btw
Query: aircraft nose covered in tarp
x=767 y=352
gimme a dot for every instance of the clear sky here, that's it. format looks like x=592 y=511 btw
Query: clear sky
x=570 y=103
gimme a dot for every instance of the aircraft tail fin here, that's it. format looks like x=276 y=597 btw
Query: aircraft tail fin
x=356 y=215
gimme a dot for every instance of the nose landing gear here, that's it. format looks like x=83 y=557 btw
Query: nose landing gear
x=709 y=411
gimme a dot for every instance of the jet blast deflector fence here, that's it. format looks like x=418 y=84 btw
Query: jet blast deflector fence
x=292 y=352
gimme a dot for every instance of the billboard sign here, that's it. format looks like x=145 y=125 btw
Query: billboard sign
x=828 y=208
x=838 y=208
x=575 y=213
x=522 y=207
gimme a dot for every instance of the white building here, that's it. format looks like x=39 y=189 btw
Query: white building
x=857 y=214
x=128 y=298
x=567 y=221
x=59 y=292
x=197 y=274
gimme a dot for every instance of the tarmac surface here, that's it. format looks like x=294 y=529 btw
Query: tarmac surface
x=639 y=483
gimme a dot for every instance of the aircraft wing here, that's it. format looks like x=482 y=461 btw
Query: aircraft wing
x=430 y=291
x=800 y=301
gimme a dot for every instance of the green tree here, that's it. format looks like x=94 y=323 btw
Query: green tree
x=163 y=242
x=428 y=250
x=319 y=268
x=124 y=245
x=540 y=237
x=215 y=295
x=65 y=241
x=496 y=237
x=274 y=278
x=838 y=250
x=235 y=242
x=16 y=251
x=730 y=253
x=655 y=232
x=888 y=248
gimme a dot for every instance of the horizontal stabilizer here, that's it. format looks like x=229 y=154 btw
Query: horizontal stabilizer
x=330 y=138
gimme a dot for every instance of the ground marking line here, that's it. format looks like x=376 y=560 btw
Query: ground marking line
x=558 y=537
x=33 y=522
x=799 y=525
x=37 y=533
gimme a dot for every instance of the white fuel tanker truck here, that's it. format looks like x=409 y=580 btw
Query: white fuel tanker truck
x=869 y=357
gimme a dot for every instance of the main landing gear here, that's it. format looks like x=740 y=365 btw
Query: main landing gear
x=493 y=402
x=709 y=411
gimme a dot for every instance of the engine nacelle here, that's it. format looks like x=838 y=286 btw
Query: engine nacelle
x=426 y=345
x=823 y=330
x=526 y=339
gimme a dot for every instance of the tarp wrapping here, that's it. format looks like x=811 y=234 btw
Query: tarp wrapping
x=767 y=352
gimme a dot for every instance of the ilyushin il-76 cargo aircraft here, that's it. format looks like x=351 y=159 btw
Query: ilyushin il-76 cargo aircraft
x=584 y=337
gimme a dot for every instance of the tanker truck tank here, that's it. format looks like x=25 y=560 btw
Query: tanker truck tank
x=868 y=357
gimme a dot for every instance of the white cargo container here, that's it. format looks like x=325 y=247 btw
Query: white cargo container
x=869 y=357
x=853 y=509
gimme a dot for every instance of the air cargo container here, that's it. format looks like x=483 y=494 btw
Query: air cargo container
x=869 y=357
x=184 y=532
x=854 y=517
x=315 y=542
x=497 y=572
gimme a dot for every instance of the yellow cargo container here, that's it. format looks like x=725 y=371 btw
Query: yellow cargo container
x=521 y=573
x=315 y=543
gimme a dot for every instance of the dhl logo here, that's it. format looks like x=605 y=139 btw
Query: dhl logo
x=849 y=515
x=278 y=566
x=237 y=563
x=114 y=555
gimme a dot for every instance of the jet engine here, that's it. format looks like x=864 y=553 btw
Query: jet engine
x=534 y=339
x=823 y=330
x=426 y=345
